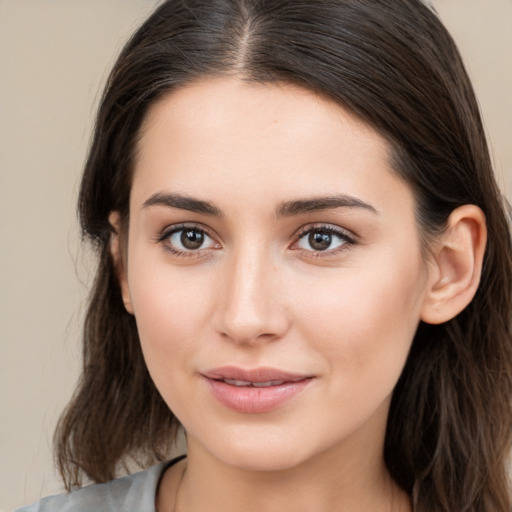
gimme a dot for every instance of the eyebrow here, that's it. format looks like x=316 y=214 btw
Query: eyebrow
x=314 y=204
x=183 y=203
x=285 y=209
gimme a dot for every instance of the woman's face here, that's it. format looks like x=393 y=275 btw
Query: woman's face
x=275 y=272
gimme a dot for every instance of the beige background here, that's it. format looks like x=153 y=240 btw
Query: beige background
x=54 y=54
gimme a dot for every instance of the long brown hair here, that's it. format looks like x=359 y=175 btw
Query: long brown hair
x=395 y=66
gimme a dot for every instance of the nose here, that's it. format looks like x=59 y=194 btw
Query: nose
x=250 y=305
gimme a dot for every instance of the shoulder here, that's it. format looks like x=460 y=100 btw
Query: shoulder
x=128 y=493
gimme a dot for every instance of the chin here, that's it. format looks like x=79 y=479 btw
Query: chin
x=258 y=451
x=263 y=460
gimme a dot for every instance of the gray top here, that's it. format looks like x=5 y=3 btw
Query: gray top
x=132 y=493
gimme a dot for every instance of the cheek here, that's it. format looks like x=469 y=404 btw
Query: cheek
x=171 y=309
x=172 y=315
x=364 y=319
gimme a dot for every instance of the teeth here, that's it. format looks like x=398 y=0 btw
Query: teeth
x=268 y=383
x=253 y=384
x=237 y=382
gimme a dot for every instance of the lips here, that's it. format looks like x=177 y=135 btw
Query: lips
x=254 y=391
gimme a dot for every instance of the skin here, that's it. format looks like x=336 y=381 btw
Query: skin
x=257 y=293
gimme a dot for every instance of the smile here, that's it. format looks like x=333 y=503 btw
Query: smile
x=254 y=391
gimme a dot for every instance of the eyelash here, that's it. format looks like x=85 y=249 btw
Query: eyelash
x=164 y=238
x=347 y=238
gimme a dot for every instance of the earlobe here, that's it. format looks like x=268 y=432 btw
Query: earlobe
x=456 y=265
x=119 y=259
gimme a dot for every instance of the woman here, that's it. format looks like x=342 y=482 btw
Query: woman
x=304 y=260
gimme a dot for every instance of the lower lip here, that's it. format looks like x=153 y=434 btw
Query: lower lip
x=249 y=399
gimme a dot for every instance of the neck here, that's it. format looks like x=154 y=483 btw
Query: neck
x=329 y=482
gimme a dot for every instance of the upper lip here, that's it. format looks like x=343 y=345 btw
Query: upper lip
x=262 y=374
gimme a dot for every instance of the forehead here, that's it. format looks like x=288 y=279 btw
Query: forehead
x=212 y=106
x=270 y=139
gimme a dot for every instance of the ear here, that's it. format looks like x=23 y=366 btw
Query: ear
x=456 y=265
x=119 y=259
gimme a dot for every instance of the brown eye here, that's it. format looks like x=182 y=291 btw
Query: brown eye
x=320 y=240
x=324 y=239
x=185 y=239
x=192 y=239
